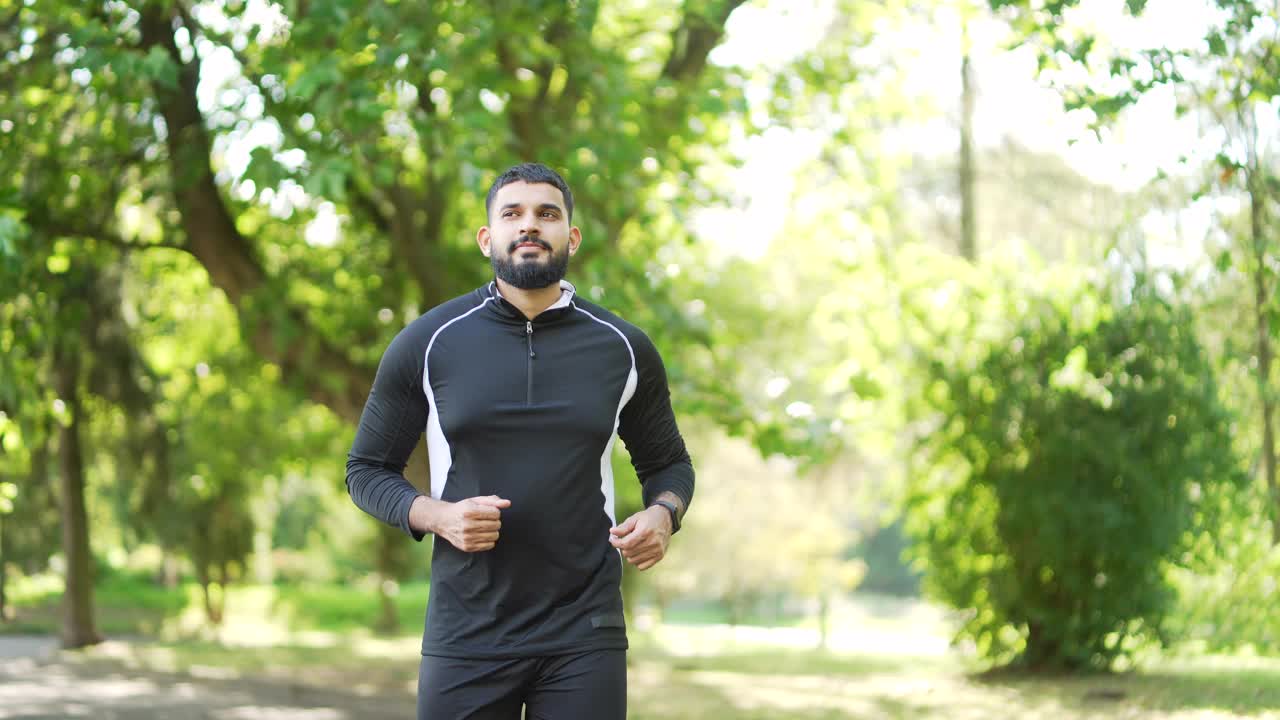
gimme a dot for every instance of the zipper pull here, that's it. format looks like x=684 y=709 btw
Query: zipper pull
x=528 y=333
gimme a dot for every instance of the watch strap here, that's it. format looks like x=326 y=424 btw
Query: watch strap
x=675 y=513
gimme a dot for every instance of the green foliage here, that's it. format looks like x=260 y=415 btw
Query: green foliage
x=1075 y=457
x=124 y=605
x=1231 y=605
x=344 y=608
x=1233 y=66
x=131 y=605
x=757 y=538
x=390 y=120
x=1230 y=80
x=888 y=571
x=392 y=117
x=237 y=444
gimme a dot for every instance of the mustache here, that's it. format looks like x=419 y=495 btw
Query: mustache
x=526 y=240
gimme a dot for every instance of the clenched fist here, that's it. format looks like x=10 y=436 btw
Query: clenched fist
x=642 y=538
x=470 y=525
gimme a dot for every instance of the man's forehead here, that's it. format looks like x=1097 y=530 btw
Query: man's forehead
x=526 y=193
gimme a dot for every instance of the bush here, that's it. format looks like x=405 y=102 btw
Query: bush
x=1077 y=458
x=346 y=608
x=1231 y=605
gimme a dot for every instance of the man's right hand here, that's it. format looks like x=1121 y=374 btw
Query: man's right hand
x=470 y=525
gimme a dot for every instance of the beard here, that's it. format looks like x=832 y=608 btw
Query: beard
x=531 y=274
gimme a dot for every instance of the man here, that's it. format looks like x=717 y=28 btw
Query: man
x=520 y=387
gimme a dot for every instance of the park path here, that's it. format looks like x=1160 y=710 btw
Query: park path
x=39 y=683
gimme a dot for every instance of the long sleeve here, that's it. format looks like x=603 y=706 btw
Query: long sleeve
x=394 y=417
x=648 y=428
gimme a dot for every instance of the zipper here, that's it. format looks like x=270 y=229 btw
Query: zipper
x=528 y=334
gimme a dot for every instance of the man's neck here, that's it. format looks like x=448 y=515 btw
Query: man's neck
x=530 y=303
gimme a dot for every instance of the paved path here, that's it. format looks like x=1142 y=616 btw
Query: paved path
x=27 y=646
x=36 y=683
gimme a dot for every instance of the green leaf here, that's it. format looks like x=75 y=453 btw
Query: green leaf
x=159 y=67
x=1223 y=262
x=865 y=386
x=1217 y=44
x=58 y=264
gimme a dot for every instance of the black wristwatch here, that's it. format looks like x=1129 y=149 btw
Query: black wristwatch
x=675 y=514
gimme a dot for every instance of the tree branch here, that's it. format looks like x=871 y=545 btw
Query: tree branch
x=589 y=12
x=523 y=123
x=420 y=249
x=331 y=378
x=369 y=206
x=112 y=239
x=415 y=246
x=694 y=39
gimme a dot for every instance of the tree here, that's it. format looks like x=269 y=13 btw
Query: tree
x=1076 y=456
x=397 y=112
x=8 y=491
x=967 y=173
x=66 y=343
x=1230 y=79
x=29 y=523
x=58 y=303
x=386 y=120
x=78 y=627
x=225 y=429
x=762 y=534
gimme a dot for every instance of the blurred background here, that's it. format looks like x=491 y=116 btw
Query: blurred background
x=969 y=309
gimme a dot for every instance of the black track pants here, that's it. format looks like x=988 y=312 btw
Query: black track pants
x=590 y=685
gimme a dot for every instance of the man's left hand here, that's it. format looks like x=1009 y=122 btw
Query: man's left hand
x=643 y=537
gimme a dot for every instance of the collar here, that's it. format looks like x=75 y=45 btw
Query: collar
x=567 y=291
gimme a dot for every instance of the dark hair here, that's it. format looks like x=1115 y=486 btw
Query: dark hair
x=530 y=173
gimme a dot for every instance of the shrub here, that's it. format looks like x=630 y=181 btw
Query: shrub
x=1077 y=457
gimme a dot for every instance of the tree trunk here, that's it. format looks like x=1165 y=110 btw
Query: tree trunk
x=389 y=542
x=266 y=513
x=4 y=604
x=392 y=552
x=824 y=620
x=661 y=599
x=168 y=569
x=388 y=622
x=1039 y=649
x=968 y=199
x=263 y=567
x=734 y=604
x=78 y=629
x=1262 y=296
x=212 y=605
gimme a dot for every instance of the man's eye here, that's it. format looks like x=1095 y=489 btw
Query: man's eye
x=548 y=214
x=509 y=213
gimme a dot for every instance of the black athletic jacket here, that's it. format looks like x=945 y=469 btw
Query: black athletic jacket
x=526 y=411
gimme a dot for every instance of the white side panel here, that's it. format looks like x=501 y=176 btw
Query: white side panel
x=606 y=465
x=606 y=459
x=438 y=450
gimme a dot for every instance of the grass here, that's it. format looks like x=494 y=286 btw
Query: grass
x=125 y=606
x=892 y=662
x=122 y=606
x=754 y=683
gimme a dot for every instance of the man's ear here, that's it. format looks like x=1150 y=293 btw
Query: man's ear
x=575 y=239
x=483 y=239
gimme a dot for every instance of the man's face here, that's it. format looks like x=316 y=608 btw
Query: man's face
x=529 y=240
